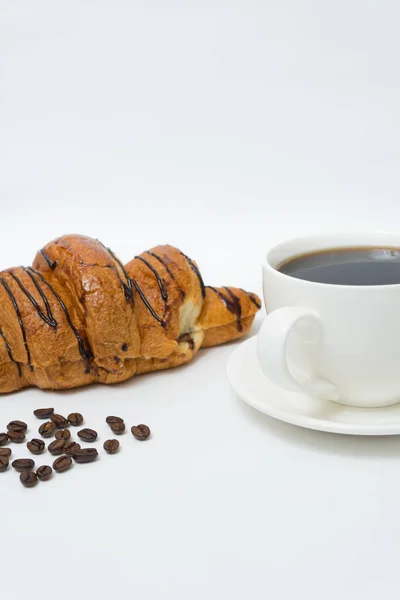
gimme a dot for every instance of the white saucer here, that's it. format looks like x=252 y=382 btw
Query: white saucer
x=255 y=389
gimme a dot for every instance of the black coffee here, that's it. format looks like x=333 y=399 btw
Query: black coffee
x=347 y=266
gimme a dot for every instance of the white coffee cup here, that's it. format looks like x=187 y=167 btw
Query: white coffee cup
x=338 y=342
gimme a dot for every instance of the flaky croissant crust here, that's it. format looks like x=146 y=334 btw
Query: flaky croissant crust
x=79 y=316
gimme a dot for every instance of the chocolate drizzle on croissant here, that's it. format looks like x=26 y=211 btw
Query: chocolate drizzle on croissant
x=85 y=353
x=232 y=304
x=7 y=346
x=78 y=315
x=21 y=324
x=147 y=304
x=49 y=319
x=165 y=265
x=127 y=284
x=51 y=264
x=163 y=291
x=253 y=298
x=195 y=268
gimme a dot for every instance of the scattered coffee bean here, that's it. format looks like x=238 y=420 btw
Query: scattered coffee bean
x=87 y=435
x=63 y=434
x=17 y=426
x=43 y=413
x=59 y=421
x=71 y=447
x=16 y=436
x=47 y=429
x=28 y=479
x=141 y=432
x=85 y=455
x=3 y=463
x=62 y=446
x=23 y=464
x=111 y=446
x=111 y=420
x=75 y=419
x=57 y=447
x=36 y=446
x=44 y=473
x=62 y=464
x=118 y=428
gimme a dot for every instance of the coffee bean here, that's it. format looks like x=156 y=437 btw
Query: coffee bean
x=141 y=432
x=5 y=452
x=57 y=447
x=23 y=464
x=85 y=455
x=111 y=446
x=43 y=413
x=63 y=434
x=28 y=479
x=59 y=421
x=62 y=464
x=47 y=429
x=3 y=463
x=75 y=419
x=87 y=435
x=71 y=447
x=111 y=420
x=44 y=473
x=118 y=428
x=16 y=436
x=36 y=446
x=17 y=426
x=4 y=439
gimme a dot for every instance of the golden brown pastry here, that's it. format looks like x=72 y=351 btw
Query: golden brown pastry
x=78 y=316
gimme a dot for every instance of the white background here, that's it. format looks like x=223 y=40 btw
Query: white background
x=221 y=127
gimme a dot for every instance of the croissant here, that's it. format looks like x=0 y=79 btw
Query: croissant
x=78 y=316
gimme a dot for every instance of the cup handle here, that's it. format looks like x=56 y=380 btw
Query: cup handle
x=272 y=350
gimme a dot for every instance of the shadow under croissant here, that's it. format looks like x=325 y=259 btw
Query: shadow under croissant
x=162 y=373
